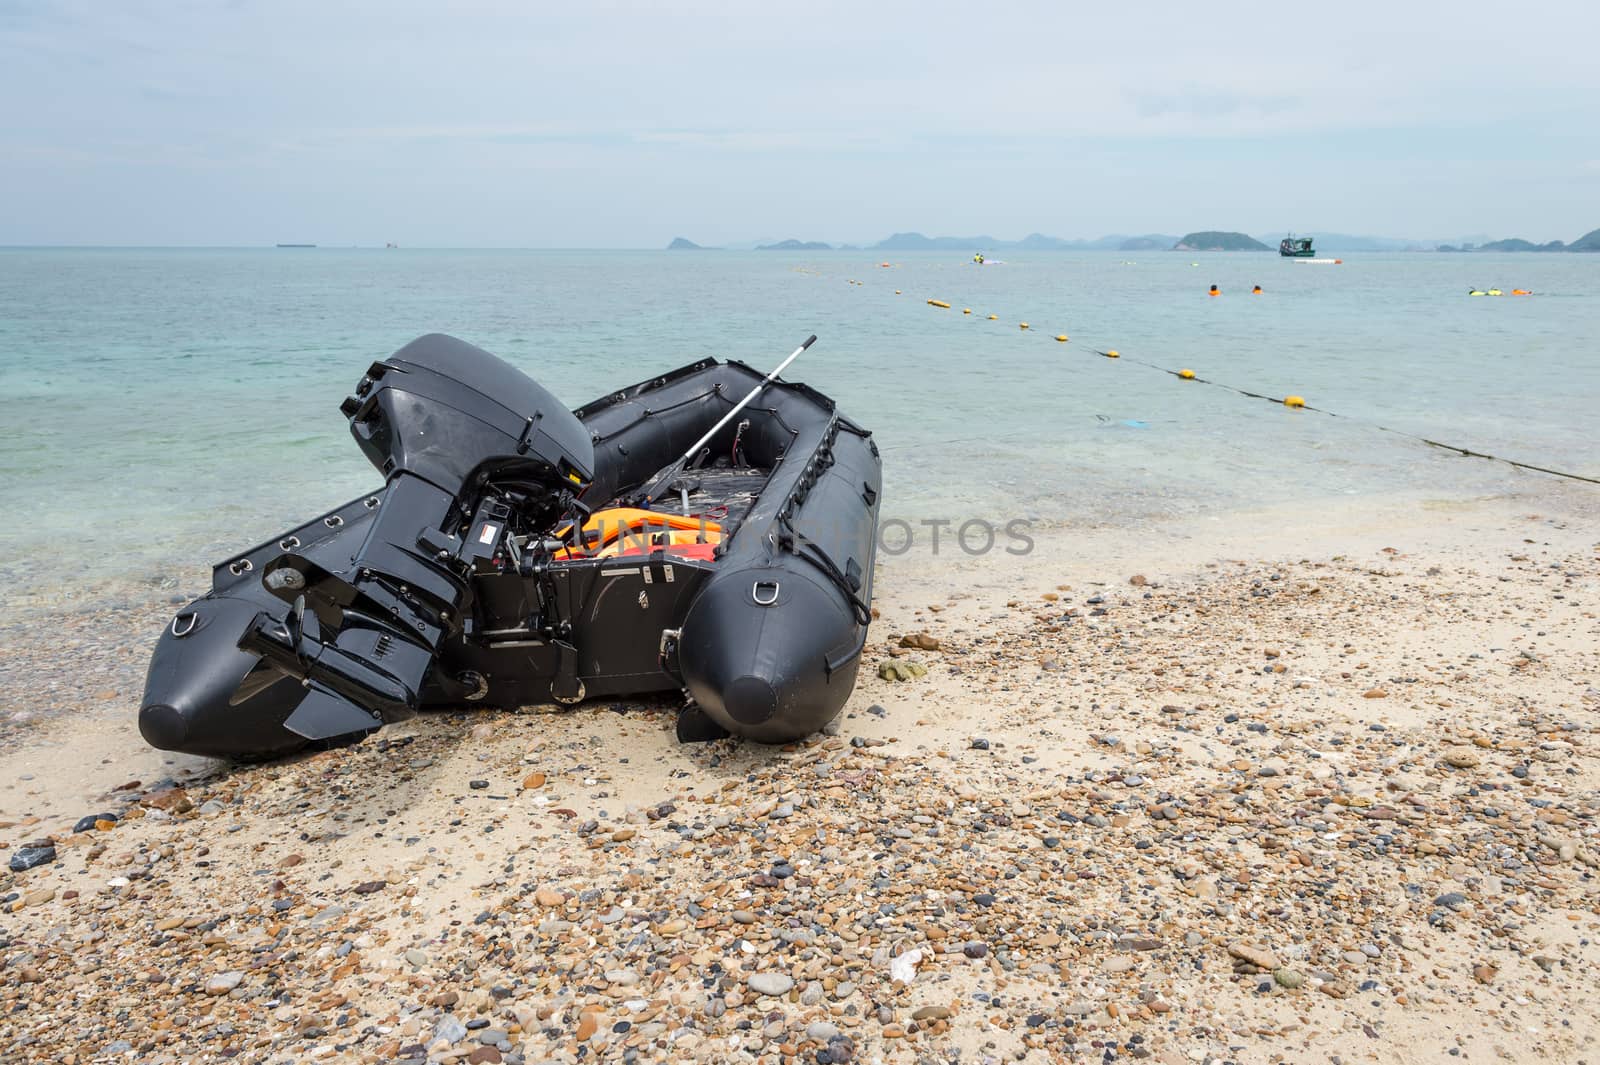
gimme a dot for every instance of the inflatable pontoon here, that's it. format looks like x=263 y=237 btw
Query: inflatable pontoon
x=664 y=538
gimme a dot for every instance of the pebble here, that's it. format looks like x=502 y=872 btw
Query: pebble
x=32 y=856
x=222 y=983
x=449 y=1029
x=1257 y=956
x=822 y=1031
x=771 y=983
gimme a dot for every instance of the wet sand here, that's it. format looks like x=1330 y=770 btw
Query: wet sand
x=1288 y=786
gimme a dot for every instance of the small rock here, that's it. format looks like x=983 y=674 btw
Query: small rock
x=416 y=958
x=1290 y=978
x=32 y=856
x=222 y=983
x=92 y=822
x=1484 y=974
x=1259 y=957
x=450 y=1029
x=771 y=983
x=1462 y=758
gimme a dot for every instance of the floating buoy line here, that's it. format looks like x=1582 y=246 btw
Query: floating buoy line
x=1293 y=402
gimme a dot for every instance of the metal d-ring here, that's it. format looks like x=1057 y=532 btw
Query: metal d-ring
x=755 y=593
x=194 y=619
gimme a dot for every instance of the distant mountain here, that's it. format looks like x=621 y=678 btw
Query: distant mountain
x=1031 y=242
x=918 y=242
x=1590 y=241
x=796 y=245
x=1207 y=240
x=1154 y=242
x=684 y=244
x=1518 y=244
x=1215 y=240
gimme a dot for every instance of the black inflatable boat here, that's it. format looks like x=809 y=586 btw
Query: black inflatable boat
x=520 y=553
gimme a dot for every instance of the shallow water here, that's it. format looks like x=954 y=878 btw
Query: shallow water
x=160 y=409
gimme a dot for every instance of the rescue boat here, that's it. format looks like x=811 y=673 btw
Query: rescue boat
x=521 y=553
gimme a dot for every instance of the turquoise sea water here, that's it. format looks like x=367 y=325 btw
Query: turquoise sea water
x=160 y=409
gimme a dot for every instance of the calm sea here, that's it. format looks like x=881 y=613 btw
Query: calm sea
x=160 y=409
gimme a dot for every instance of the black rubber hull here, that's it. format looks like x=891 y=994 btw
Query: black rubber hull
x=765 y=637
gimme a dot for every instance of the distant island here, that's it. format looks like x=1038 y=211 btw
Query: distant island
x=1145 y=244
x=796 y=245
x=1204 y=240
x=1215 y=240
x=1590 y=241
x=1031 y=242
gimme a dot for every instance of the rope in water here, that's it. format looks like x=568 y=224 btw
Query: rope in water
x=1295 y=402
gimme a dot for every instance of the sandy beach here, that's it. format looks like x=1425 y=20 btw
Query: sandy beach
x=1309 y=785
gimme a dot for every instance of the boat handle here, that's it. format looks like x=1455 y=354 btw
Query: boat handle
x=755 y=593
x=193 y=618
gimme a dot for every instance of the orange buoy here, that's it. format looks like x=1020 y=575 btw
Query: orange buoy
x=1256 y=291
x=1521 y=292
x=1215 y=291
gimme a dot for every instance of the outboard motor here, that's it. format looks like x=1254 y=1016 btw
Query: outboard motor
x=474 y=454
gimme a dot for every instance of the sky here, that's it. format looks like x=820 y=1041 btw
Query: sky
x=602 y=124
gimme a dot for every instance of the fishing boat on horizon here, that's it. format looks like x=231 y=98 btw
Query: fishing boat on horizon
x=1293 y=247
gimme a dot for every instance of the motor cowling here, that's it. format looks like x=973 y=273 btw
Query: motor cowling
x=471 y=450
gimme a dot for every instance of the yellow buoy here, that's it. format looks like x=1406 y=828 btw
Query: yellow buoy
x=1294 y=401
x=1061 y=337
x=939 y=303
x=992 y=317
x=1024 y=325
x=966 y=310
x=1112 y=354
x=1187 y=375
